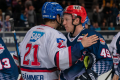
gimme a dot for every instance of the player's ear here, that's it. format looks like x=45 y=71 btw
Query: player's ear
x=58 y=18
x=76 y=21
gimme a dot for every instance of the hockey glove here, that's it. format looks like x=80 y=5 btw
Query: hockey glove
x=88 y=75
x=89 y=60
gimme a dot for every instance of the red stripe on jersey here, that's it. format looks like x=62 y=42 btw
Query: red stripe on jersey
x=46 y=25
x=29 y=70
x=15 y=57
x=57 y=60
x=115 y=63
x=70 y=56
x=115 y=56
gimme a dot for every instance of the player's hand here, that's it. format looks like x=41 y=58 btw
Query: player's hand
x=88 y=75
x=88 y=41
x=89 y=60
x=115 y=77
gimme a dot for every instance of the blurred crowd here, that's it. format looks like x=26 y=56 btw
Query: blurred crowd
x=27 y=13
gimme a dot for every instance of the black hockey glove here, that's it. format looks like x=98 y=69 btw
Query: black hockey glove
x=88 y=75
x=89 y=60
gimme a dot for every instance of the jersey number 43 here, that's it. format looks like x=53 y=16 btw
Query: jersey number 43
x=6 y=63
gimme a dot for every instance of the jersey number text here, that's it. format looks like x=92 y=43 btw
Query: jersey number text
x=105 y=53
x=35 y=62
x=6 y=63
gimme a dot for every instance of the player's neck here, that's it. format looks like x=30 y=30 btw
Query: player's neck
x=51 y=25
x=78 y=30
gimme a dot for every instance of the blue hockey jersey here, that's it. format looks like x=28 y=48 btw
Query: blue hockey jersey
x=114 y=48
x=8 y=68
x=100 y=50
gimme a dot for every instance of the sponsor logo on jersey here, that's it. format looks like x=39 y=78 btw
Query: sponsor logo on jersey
x=102 y=41
x=60 y=42
x=72 y=39
x=79 y=38
x=36 y=35
x=1 y=48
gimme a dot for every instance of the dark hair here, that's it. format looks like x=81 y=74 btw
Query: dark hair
x=47 y=20
x=79 y=18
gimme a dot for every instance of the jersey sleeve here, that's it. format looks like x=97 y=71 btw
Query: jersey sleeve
x=60 y=55
x=103 y=56
x=15 y=57
x=113 y=47
x=8 y=68
x=100 y=49
x=16 y=60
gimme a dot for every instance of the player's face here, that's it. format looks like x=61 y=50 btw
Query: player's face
x=67 y=22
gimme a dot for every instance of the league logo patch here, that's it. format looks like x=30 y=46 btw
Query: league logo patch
x=79 y=38
x=36 y=35
x=102 y=41
x=1 y=48
x=72 y=39
x=60 y=43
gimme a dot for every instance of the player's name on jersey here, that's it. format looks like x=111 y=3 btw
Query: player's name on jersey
x=32 y=77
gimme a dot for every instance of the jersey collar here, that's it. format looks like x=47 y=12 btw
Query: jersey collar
x=46 y=25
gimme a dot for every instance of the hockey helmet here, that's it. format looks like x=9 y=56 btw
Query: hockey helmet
x=50 y=10
x=76 y=10
x=87 y=21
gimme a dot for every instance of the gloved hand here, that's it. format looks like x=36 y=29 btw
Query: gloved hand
x=88 y=75
x=89 y=60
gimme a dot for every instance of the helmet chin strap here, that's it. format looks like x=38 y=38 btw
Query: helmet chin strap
x=59 y=23
x=71 y=34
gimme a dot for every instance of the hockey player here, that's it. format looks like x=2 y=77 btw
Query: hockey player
x=114 y=48
x=74 y=19
x=44 y=51
x=8 y=68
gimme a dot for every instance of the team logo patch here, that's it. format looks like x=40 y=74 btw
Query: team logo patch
x=1 y=48
x=60 y=42
x=36 y=35
x=79 y=38
x=72 y=39
x=102 y=41
x=83 y=34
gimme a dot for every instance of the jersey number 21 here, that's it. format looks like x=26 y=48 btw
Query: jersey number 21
x=35 y=62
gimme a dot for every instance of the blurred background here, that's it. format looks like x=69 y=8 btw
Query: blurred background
x=21 y=15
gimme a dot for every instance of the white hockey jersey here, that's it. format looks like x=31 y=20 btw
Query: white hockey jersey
x=113 y=50
x=43 y=51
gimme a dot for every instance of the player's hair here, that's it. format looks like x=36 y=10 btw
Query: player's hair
x=79 y=19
